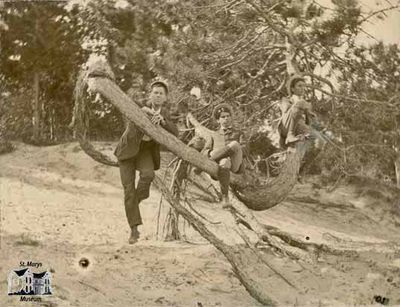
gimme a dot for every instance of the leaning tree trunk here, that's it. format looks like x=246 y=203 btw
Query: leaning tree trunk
x=255 y=194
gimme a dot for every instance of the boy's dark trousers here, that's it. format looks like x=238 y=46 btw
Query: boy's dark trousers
x=143 y=162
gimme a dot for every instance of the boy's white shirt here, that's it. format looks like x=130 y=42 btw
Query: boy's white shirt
x=219 y=138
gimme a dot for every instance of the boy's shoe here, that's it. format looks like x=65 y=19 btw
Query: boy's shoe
x=135 y=234
x=225 y=202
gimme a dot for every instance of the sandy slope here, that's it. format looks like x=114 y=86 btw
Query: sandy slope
x=57 y=206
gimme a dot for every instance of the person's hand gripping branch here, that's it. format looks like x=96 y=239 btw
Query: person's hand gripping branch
x=158 y=119
x=155 y=116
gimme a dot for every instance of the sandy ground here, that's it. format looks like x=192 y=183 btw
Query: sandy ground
x=59 y=206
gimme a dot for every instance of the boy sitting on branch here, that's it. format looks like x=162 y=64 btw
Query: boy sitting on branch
x=298 y=121
x=222 y=146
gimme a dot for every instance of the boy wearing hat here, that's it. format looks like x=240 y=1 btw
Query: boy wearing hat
x=137 y=151
x=224 y=148
x=296 y=113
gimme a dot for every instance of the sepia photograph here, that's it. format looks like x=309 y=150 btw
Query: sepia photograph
x=226 y=153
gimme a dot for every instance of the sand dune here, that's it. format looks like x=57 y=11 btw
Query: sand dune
x=59 y=206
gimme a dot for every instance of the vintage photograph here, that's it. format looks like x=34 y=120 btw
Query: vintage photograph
x=199 y=153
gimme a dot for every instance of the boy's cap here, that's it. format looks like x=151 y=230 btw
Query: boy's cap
x=162 y=83
x=223 y=107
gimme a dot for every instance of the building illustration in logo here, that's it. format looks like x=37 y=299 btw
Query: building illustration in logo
x=24 y=282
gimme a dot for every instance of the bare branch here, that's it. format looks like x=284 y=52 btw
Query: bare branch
x=238 y=42
x=249 y=53
x=385 y=103
x=216 y=5
x=260 y=72
x=322 y=79
x=251 y=40
x=273 y=25
x=343 y=61
x=230 y=5
x=378 y=12
x=369 y=35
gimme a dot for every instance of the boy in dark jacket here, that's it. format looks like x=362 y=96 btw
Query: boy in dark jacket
x=137 y=151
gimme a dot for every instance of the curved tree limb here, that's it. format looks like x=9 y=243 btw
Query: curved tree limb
x=249 y=189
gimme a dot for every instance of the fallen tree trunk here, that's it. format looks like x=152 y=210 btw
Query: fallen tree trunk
x=255 y=194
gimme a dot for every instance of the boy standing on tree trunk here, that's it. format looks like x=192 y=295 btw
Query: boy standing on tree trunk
x=223 y=147
x=137 y=151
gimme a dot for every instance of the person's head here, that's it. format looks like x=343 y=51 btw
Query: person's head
x=158 y=93
x=297 y=86
x=223 y=115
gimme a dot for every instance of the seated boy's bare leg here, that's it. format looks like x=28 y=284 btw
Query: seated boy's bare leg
x=224 y=175
x=236 y=156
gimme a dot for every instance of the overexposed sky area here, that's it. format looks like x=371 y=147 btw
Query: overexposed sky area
x=387 y=29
